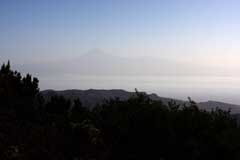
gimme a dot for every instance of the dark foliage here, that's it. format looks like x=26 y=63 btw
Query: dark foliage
x=138 y=128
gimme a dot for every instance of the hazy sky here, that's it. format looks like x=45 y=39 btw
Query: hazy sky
x=33 y=30
x=200 y=32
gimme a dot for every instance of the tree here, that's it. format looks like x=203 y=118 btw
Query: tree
x=57 y=110
x=16 y=92
x=78 y=112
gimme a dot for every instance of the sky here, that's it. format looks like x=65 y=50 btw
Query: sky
x=34 y=30
x=200 y=32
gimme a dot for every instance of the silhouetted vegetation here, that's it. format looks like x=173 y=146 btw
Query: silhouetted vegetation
x=138 y=128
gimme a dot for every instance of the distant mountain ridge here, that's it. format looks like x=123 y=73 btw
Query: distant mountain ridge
x=91 y=97
x=224 y=106
x=97 y=62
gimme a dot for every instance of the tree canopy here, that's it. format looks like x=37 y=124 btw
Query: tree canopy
x=137 y=128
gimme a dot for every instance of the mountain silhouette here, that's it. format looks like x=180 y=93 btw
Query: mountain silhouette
x=92 y=97
x=97 y=62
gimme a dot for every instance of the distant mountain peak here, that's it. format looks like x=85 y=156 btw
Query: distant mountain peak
x=96 y=51
x=98 y=54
